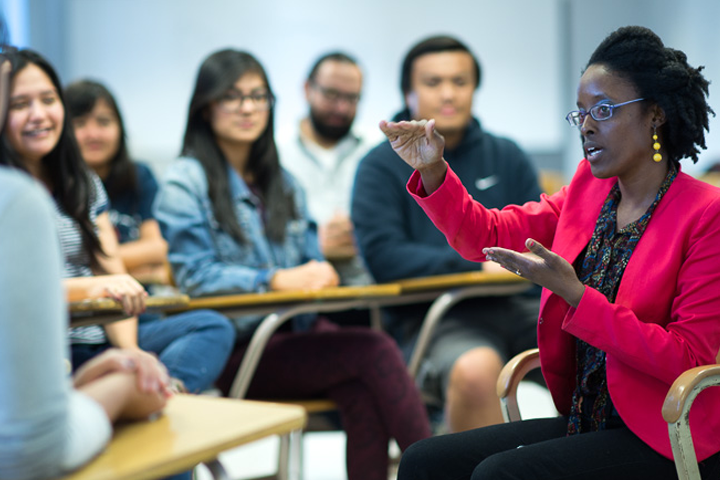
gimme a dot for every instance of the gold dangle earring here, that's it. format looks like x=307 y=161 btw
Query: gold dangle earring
x=656 y=146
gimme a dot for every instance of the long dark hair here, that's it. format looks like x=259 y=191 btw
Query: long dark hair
x=70 y=179
x=81 y=97
x=217 y=74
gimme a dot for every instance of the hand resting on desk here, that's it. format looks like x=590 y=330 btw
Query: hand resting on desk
x=128 y=384
x=121 y=287
x=312 y=275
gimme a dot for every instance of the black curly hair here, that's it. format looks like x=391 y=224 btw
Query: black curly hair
x=662 y=76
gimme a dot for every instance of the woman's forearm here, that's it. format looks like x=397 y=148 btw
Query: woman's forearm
x=142 y=253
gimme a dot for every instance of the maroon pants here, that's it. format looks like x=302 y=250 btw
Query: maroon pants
x=359 y=369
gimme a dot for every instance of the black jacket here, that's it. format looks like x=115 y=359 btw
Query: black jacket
x=394 y=235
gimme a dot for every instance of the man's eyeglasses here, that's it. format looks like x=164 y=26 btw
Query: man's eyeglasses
x=335 y=96
x=233 y=101
x=599 y=112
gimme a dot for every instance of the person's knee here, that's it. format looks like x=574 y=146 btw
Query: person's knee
x=417 y=461
x=474 y=375
x=221 y=327
x=379 y=343
x=501 y=466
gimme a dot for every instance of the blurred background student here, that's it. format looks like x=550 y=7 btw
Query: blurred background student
x=195 y=344
x=236 y=222
x=131 y=186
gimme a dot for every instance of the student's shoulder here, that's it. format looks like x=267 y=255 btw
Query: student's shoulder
x=185 y=171
x=382 y=164
x=143 y=170
x=502 y=143
x=14 y=181
x=379 y=154
x=19 y=190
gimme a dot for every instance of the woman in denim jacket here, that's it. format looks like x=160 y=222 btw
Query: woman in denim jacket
x=236 y=222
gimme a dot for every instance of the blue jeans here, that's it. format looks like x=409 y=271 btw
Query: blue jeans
x=194 y=346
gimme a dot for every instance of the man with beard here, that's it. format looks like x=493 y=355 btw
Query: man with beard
x=439 y=78
x=324 y=154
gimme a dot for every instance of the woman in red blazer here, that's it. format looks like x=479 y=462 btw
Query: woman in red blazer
x=627 y=254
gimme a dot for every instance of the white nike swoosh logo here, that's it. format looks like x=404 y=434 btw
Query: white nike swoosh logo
x=487 y=182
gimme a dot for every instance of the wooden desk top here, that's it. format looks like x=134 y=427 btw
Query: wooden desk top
x=441 y=282
x=192 y=429
x=294 y=296
x=99 y=311
x=111 y=305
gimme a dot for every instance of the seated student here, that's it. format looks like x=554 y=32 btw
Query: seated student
x=47 y=426
x=478 y=335
x=627 y=258
x=38 y=139
x=131 y=186
x=236 y=222
x=322 y=153
x=100 y=134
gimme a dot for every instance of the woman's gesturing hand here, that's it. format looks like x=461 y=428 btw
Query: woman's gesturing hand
x=416 y=142
x=543 y=267
x=421 y=147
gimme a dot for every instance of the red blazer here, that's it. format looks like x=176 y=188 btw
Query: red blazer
x=665 y=319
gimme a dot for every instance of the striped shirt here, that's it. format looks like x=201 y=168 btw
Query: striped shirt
x=76 y=258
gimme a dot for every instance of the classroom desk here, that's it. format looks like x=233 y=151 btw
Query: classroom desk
x=443 y=291
x=268 y=302
x=97 y=311
x=193 y=429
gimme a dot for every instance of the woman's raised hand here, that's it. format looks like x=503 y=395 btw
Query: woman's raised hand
x=416 y=142
x=421 y=147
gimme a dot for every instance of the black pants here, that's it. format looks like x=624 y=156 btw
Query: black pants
x=539 y=450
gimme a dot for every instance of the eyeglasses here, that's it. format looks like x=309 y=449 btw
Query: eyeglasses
x=233 y=101
x=599 y=112
x=336 y=96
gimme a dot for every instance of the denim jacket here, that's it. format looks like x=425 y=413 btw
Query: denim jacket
x=205 y=259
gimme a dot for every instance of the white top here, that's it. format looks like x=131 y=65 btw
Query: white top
x=326 y=174
x=46 y=427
